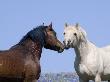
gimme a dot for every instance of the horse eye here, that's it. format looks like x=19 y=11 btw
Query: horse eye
x=64 y=33
x=75 y=34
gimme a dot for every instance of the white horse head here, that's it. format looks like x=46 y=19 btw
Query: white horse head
x=73 y=35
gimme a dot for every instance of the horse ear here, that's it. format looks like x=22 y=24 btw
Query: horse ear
x=50 y=25
x=66 y=25
x=77 y=26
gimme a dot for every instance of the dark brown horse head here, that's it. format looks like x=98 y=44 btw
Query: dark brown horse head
x=45 y=36
x=51 y=41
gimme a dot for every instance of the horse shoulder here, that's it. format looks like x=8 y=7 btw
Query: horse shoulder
x=32 y=68
x=92 y=61
x=105 y=53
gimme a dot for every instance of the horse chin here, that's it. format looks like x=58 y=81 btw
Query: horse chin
x=67 y=47
x=60 y=51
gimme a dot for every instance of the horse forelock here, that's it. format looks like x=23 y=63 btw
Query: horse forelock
x=37 y=34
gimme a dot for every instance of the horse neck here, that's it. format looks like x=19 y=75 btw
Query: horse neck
x=32 y=47
x=82 y=49
x=35 y=49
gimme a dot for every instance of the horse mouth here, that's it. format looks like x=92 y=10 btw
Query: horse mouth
x=60 y=50
x=67 y=47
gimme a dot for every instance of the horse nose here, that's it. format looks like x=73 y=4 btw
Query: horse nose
x=66 y=44
x=69 y=41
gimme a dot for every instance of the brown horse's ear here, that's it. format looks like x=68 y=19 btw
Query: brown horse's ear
x=50 y=26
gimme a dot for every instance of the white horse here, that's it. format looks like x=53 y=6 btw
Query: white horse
x=91 y=62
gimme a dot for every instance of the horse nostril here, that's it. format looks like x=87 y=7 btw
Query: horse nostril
x=64 y=42
x=69 y=41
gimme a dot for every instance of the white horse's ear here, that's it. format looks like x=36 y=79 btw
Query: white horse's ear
x=66 y=25
x=77 y=26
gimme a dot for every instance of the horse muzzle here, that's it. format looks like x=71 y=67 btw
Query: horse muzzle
x=66 y=46
x=61 y=47
x=60 y=50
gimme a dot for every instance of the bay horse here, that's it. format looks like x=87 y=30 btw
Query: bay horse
x=21 y=63
x=91 y=62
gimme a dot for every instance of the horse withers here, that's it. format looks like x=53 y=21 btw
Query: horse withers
x=21 y=63
x=91 y=62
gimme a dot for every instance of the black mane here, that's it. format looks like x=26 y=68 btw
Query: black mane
x=37 y=34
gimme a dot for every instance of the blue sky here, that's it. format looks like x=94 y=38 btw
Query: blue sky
x=17 y=17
